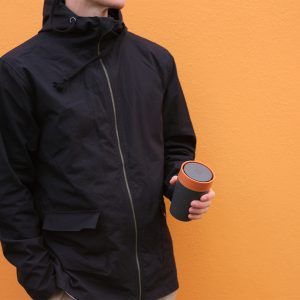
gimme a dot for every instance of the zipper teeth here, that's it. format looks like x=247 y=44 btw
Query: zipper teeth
x=70 y=296
x=124 y=171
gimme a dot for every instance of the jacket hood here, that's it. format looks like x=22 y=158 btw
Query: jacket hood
x=59 y=19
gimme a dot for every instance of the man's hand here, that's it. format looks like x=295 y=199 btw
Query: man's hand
x=198 y=207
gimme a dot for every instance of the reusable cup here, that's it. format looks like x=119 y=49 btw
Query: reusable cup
x=194 y=180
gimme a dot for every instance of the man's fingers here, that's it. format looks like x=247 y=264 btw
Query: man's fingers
x=193 y=210
x=200 y=204
x=208 y=196
x=194 y=217
x=173 y=179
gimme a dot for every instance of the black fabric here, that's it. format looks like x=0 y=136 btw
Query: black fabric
x=66 y=220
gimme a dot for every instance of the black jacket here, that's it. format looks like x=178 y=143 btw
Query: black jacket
x=93 y=124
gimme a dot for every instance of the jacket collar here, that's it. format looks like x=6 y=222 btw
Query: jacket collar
x=59 y=18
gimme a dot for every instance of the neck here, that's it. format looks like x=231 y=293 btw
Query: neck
x=87 y=8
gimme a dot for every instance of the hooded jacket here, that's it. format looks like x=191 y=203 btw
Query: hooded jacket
x=93 y=125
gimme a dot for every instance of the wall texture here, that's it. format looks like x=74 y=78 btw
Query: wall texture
x=239 y=65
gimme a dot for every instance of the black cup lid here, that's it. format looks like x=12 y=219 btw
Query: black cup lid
x=197 y=171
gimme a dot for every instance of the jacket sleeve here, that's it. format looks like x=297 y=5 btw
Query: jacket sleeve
x=20 y=235
x=179 y=136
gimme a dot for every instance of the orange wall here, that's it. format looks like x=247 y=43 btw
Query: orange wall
x=239 y=64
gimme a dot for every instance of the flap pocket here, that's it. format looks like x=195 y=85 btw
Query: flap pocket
x=71 y=221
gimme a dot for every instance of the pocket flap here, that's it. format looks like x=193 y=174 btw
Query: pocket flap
x=71 y=221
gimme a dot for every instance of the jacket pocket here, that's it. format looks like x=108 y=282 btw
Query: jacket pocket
x=80 y=230
x=71 y=221
x=76 y=238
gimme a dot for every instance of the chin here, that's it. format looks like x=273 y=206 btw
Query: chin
x=111 y=3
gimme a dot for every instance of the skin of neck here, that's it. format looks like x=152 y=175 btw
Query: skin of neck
x=87 y=8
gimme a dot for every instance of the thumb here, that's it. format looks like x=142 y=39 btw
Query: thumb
x=173 y=179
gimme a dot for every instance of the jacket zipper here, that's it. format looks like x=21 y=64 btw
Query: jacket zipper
x=124 y=171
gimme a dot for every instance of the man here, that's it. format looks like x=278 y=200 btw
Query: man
x=93 y=130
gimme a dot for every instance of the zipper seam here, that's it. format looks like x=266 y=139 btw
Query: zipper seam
x=124 y=171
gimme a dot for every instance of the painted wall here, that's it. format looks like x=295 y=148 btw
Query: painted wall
x=239 y=64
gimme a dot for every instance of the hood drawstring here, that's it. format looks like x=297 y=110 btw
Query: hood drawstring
x=60 y=85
